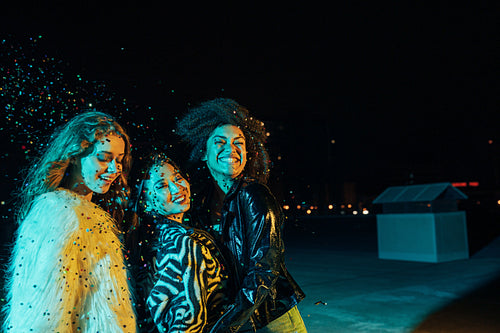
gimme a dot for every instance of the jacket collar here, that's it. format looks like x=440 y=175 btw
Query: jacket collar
x=234 y=188
x=155 y=218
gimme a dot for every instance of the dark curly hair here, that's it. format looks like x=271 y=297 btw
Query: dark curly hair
x=156 y=158
x=199 y=122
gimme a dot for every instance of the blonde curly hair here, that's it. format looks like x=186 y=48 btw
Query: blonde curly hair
x=75 y=139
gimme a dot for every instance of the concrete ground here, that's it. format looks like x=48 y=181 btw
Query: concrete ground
x=349 y=289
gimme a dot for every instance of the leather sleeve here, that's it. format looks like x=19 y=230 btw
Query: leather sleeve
x=263 y=246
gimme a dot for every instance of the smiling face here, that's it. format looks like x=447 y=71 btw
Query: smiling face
x=167 y=192
x=226 y=154
x=99 y=169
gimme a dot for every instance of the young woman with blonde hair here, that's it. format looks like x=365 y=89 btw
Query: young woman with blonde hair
x=67 y=272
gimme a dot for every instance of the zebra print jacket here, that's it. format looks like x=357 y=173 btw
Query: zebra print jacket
x=188 y=290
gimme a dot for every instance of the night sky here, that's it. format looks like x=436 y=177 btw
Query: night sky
x=400 y=89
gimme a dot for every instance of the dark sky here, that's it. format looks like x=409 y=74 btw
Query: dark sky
x=400 y=88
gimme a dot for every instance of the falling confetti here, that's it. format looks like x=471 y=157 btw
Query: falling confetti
x=39 y=92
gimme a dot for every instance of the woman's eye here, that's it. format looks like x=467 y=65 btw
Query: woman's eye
x=103 y=158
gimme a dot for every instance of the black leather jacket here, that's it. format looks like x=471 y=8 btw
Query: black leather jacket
x=251 y=231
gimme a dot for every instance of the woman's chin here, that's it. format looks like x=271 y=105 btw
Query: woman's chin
x=101 y=189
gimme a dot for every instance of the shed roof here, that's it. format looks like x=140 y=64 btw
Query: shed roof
x=419 y=193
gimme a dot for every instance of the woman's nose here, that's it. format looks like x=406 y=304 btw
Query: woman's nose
x=233 y=147
x=112 y=167
x=174 y=187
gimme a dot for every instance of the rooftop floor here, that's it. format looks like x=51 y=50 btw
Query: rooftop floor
x=348 y=289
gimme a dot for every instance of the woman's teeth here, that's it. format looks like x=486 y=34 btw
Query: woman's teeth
x=106 y=179
x=228 y=159
x=179 y=199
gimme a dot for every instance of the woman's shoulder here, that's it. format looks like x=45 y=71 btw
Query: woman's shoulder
x=53 y=202
x=64 y=204
x=257 y=196
x=172 y=231
x=59 y=196
x=254 y=189
x=51 y=213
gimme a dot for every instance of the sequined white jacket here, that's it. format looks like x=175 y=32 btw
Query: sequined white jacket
x=67 y=272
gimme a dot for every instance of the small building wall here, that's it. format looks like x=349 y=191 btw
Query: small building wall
x=426 y=237
x=420 y=207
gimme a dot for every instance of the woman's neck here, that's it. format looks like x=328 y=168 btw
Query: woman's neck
x=79 y=188
x=176 y=217
x=159 y=212
x=224 y=183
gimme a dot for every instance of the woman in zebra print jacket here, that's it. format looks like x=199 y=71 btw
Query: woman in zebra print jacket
x=180 y=273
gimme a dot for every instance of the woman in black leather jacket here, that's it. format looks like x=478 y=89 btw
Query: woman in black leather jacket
x=236 y=207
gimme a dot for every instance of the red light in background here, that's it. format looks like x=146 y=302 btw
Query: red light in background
x=465 y=184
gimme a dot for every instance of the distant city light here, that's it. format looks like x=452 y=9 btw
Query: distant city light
x=332 y=141
x=498 y=202
x=354 y=212
x=490 y=141
x=298 y=206
x=465 y=184
x=286 y=207
x=365 y=211
x=349 y=206
x=330 y=206
x=308 y=211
